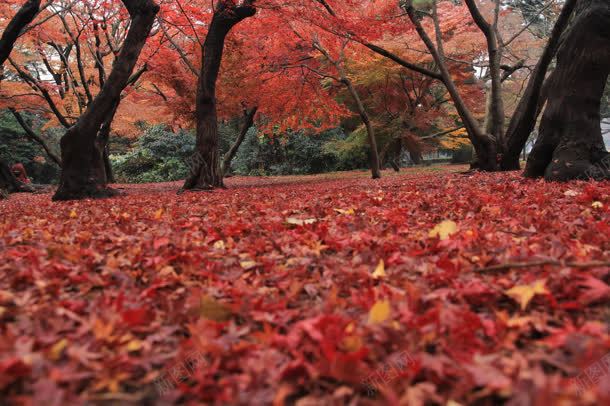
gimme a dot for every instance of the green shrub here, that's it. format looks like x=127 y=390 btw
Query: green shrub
x=159 y=155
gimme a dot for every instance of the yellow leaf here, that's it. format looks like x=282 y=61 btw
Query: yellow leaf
x=380 y=312
x=597 y=205
x=347 y=212
x=299 y=222
x=443 y=229
x=58 y=349
x=352 y=343
x=219 y=245
x=523 y=294
x=134 y=345
x=159 y=213
x=213 y=310
x=73 y=214
x=167 y=271
x=519 y=322
x=379 y=271
x=247 y=265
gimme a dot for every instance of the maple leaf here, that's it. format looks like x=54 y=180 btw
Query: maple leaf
x=58 y=349
x=523 y=294
x=443 y=230
x=595 y=290
x=379 y=271
x=347 y=212
x=161 y=242
x=248 y=264
x=380 y=312
x=159 y=213
x=300 y=222
x=211 y=309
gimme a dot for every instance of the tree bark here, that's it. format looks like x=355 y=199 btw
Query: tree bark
x=484 y=144
x=364 y=116
x=246 y=125
x=81 y=176
x=102 y=146
x=370 y=131
x=524 y=118
x=108 y=166
x=24 y=16
x=495 y=111
x=570 y=145
x=207 y=173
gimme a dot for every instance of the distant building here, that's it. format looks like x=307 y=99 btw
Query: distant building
x=438 y=156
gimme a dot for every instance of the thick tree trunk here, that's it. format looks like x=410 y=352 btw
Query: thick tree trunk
x=246 y=125
x=207 y=173
x=524 y=118
x=570 y=144
x=83 y=172
x=24 y=16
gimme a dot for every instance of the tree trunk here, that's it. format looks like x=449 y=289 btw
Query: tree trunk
x=31 y=134
x=24 y=16
x=570 y=145
x=8 y=181
x=83 y=171
x=484 y=144
x=108 y=166
x=246 y=125
x=524 y=118
x=416 y=157
x=390 y=154
x=207 y=173
x=370 y=131
x=102 y=146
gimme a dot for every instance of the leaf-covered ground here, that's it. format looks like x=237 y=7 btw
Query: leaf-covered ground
x=427 y=287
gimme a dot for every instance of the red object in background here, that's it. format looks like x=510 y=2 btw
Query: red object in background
x=20 y=173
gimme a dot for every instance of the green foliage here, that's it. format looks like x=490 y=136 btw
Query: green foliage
x=351 y=151
x=159 y=155
x=292 y=153
x=15 y=147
